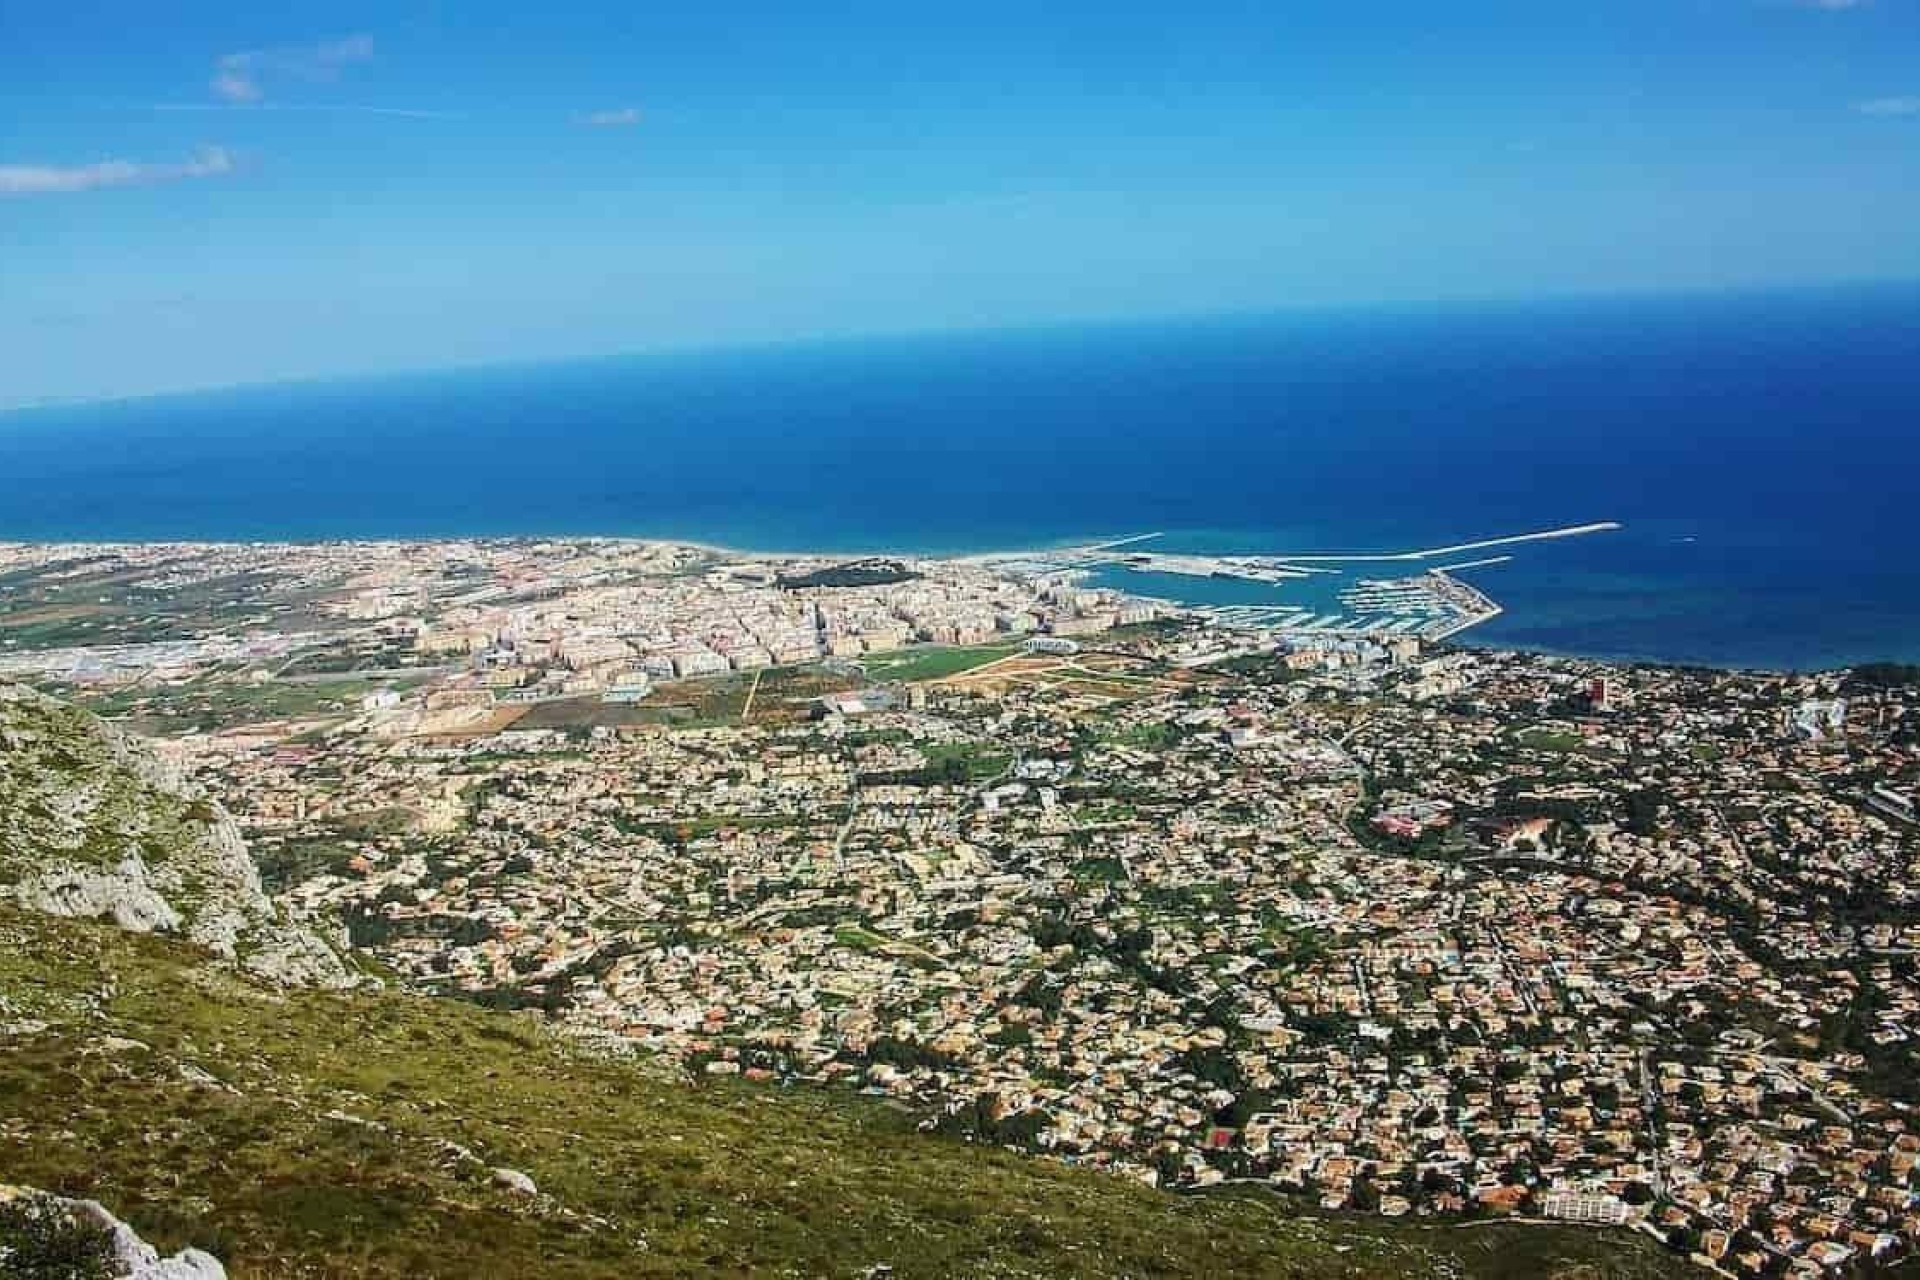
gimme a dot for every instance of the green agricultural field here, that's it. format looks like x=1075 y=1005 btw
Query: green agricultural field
x=1550 y=740
x=40 y=611
x=933 y=662
x=709 y=824
x=225 y=701
x=591 y=712
x=706 y=702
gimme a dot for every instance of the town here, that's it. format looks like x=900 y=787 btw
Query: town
x=1380 y=925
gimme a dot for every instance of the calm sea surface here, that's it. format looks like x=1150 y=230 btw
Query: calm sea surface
x=1762 y=450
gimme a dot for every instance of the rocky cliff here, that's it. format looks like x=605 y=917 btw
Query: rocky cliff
x=94 y=825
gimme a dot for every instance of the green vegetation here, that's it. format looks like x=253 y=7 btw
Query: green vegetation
x=1558 y=741
x=971 y=760
x=1886 y=675
x=40 y=1240
x=949 y=764
x=224 y=702
x=55 y=748
x=705 y=702
x=1153 y=630
x=295 y=861
x=1295 y=946
x=1150 y=735
x=353 y=1135
x=41 y=610
x=578 y=715
x=933 y=662
x=855 y=573
x=1102 y=812
x=325 y=1134
x=324 y=849
x=1258 y=668
x=1105 y=869
x=858 y=938
x=693 y=828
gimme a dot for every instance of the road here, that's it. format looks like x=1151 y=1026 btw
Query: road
x=362 y=674
x=1649 y=1099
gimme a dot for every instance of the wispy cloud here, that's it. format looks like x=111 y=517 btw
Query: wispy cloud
x=1905 y=105
x=619 y=118
x=1833 y=6
x=323 y=108
x=35 y=179
x=243 y=77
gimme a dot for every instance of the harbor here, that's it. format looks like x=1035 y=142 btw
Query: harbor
x=1428 y=604
x=1430 y=607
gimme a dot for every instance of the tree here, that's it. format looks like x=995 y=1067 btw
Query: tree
x=1223 y=1012
x=42 y=1239
x=1683 y=1238
x=1886 y=675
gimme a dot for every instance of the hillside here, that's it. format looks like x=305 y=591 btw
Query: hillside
x=322 y=1134
x=325 y=1132
x=93 y=825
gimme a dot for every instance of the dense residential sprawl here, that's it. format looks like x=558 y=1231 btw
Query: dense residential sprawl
x=1380 y=926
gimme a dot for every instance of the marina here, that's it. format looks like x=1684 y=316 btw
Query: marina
x=1429 y=604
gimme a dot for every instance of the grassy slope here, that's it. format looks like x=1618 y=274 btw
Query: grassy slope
x=640 y=1175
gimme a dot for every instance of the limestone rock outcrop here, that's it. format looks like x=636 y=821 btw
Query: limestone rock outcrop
x=94 y=825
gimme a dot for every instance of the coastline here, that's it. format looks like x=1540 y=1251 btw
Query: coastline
x=1468 y=637
x=1767 y=519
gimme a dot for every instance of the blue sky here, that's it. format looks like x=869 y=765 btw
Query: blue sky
x=196 y=194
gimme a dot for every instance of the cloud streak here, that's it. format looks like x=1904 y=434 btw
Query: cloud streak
x=242 y=78
x=36 y=179
x=619 y=118
x=323 y=108
x=1905 y=105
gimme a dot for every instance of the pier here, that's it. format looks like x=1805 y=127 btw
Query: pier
x=1274 y=568
x=1459 y=548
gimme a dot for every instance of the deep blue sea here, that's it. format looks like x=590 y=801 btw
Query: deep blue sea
x=1763 y=451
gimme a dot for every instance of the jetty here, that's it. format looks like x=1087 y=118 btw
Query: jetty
x=1430 y=603
x=1458 y=548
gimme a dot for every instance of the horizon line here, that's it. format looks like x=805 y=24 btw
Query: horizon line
x=829 y=338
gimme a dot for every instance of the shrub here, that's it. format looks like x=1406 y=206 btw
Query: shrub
x=41 y=1239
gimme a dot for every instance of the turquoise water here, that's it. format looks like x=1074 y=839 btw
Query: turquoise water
x=1762 y=451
